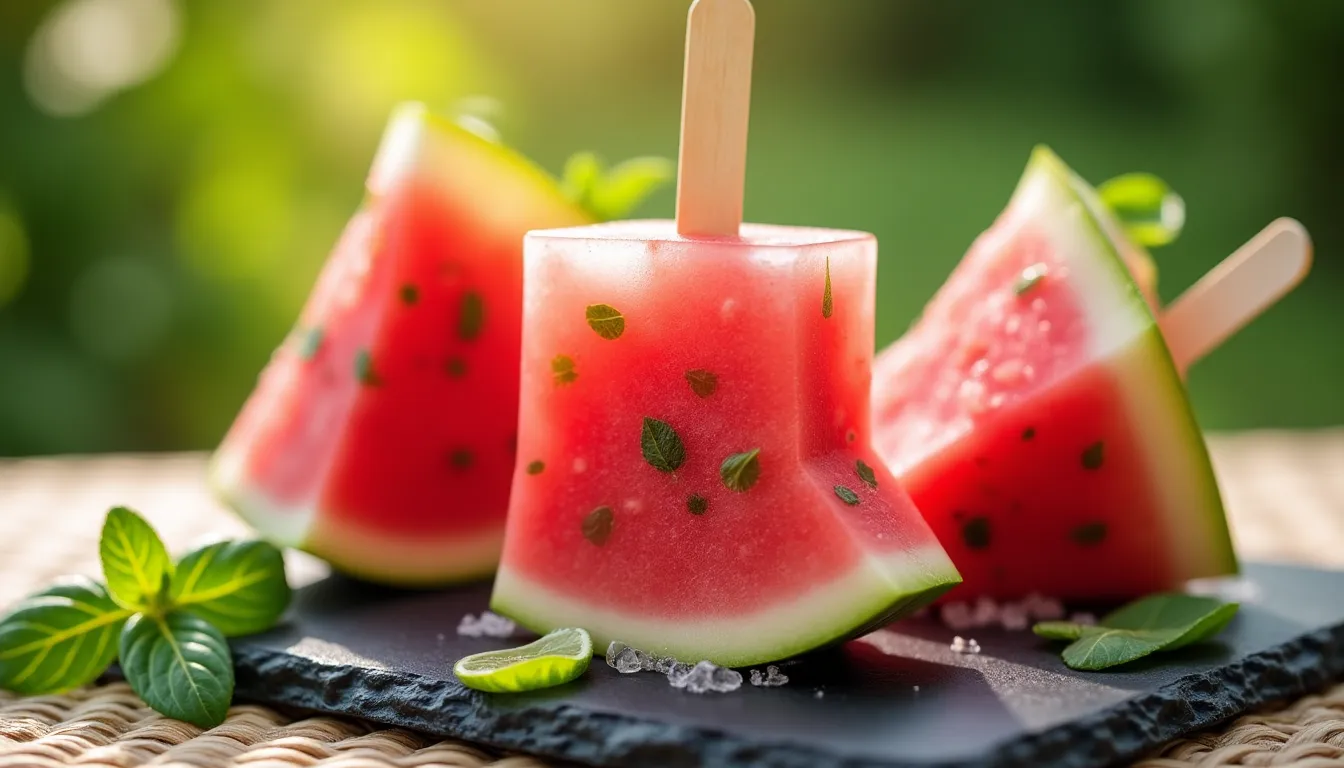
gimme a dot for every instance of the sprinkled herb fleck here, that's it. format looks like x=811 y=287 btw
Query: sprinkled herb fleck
x=661 y=445
x=851 y=436
x=562 y=368
x=409 y=294
x=846 y=495
x=456 y=367
x=697 y=504
x=471 y=316
x=826 y=304
x=865 y=473
x=310 y=344
x=597 y=525
x=740 y=471
x=703 y=383
x=1029 y=279
x=461 y=458
x=975 y=532
x=364 y=371
x=1028 y=433
x=1089 y=534
x=1094 y=455
x=536 y=467
x=606 y=321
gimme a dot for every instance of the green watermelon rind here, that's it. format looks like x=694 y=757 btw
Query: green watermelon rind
x=1150 y=348
x=906 y=583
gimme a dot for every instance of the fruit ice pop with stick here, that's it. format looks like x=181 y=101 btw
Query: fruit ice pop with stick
x=381 y=434
x=695 y=477
x=1037 y=412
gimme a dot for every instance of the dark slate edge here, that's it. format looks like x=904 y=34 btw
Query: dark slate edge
x=447 y=708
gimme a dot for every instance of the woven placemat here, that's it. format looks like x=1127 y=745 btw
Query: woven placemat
x=1284 y=490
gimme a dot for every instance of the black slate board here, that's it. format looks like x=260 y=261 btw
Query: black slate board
x=898 y=698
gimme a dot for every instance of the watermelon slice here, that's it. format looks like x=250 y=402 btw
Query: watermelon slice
x=695 y=477
x=1036 y=417
x=381 y=436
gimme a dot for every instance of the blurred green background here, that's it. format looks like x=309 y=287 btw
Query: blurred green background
x=172 y=174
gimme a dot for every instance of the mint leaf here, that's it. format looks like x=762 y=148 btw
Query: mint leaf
x=536 y=467
x=180 y=665
x=740 y=471
x=597 y=525
x=238 y=586
x=605 y=320
x=865 y=474
x=703 y=383
x=60 y=638
x=827 y=306
x=661 y=445
x=1151 y=213
x=562 y=369
x=135 y=562
x=1162 y=622
x=613 y=194
x=846 y=495
x=470 y=316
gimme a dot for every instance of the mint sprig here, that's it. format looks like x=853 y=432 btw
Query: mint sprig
x=1162 y=622
x=167 y=622
x=1150 y=211
x=612 y=193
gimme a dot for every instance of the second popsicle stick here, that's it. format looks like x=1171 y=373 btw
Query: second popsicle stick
x=1233 y=293
x=716 y=102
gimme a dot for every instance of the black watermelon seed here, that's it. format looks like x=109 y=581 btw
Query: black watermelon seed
x=976 y=533
x=597 y=525
x=1094 y=455
x=1089 y=534
x=1028 y=433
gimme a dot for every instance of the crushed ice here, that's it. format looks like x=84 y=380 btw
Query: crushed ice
x=1013 y=615
x=488 y=625
x=963 y=645
x=625 y=659
x=705 y=676
x=772 y=678
x=697 y=678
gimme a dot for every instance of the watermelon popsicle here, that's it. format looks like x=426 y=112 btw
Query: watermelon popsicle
x=695 y=477
x=1037 y=411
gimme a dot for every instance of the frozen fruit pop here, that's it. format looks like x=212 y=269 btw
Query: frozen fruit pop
x=695 y=477
x=1037 y=416
x=381 y=435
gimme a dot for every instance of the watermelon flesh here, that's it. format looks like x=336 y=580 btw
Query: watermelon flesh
x=381 y=434
x=759 y=343
x=1036 y=417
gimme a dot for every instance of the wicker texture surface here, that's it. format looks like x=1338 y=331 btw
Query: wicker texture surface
x=1285 y=497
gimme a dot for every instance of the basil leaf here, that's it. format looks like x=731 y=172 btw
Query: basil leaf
x=703 y=383
x=1100 y=647
x=605 y=320
x=180 y=665
x=740 y=471
x=1149 y=210
x=239 y=586
x=661 y=445
x=1162 y=622
x=135 y=562
x=60 y=638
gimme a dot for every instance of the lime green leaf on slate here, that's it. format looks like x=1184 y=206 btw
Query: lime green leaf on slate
x=135 y=562
x=239 y=586
x=1150 y=211
x=180 y=665
x=556 y=659
x=60 y=638
x=612 y=194
x=1162 y=622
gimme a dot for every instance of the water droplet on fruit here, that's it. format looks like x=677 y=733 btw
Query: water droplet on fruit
x=1009 y=372
x=1038 y=305
x=1043 y=327
x=971 y=394
x=729 y=310
x=580 y=466
x=996 y=401
x=980 y=368
x=1012 y=325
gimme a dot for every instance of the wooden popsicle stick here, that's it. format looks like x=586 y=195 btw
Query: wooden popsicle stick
x=1233 y=293
x=715 y=103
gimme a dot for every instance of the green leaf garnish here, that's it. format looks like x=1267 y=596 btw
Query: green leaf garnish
x=562 y=369
x=60 y=638
x=1151 y=212
x=597 y=525
x=1094 y=455
x=180 y=665
x=865 y=474
x=605 y=320
x=740 y=471
x=310 y=343
x=239 y=586
x=1029 y=279
x=364 y=371
x=612 y=194
x=826 y=305
x=536 y=467
x=661 y=445
x=470 y=316
x=1162 y=622
x=461 y=458
x=135 y=562
x=846 y=495
x=697 y=504
x=703 y=383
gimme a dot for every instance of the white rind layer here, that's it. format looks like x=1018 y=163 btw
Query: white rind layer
x=873 y=588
